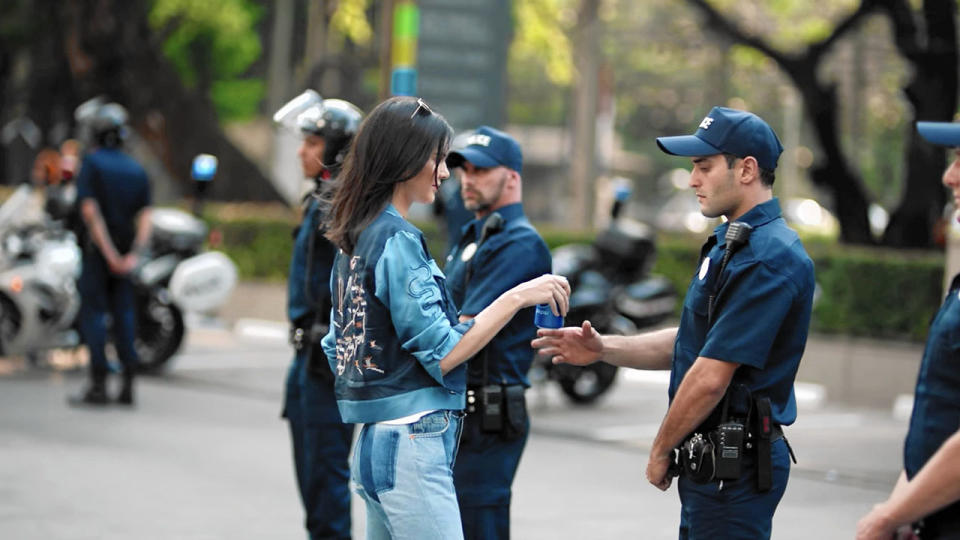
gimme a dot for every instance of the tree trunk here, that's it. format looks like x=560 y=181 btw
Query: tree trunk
x=832 y=173
x=820 y=106
x=116 y=54
x=933 y=93
x=583 y=158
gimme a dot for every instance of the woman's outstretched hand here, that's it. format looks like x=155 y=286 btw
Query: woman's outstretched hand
x=548 y=289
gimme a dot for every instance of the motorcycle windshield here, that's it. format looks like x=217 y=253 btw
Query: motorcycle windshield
x=12 y=206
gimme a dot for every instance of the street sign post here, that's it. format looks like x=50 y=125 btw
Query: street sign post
x=462 y=59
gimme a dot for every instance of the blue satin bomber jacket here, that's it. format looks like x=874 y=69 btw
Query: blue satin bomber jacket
x=392 y=322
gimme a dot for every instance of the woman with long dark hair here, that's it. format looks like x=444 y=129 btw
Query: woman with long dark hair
x=395 y=344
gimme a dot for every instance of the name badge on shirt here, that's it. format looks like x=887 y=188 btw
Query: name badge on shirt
x=704 y=268
x=468 y=252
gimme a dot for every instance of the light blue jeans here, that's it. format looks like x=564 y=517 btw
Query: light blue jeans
x=405 y=476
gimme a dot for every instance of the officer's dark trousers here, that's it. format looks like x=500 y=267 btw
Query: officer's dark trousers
x=943 y=525
x=321 y=449
x=738 y=510
x=482 y=474
x=102 y=292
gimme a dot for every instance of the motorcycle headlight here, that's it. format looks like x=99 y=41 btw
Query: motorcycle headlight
x=60 y=258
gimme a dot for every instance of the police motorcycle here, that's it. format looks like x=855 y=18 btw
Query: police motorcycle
x=613 y=289
x=41 y=261
x=39 y=265
x=176 y=276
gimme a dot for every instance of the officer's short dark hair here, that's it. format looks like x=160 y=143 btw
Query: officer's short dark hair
x=767 y=176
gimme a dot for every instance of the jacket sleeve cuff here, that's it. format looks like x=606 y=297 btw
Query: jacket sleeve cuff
x=432 y=363
x=329 y=344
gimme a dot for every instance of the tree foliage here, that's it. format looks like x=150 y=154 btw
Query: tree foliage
x=540 y=61
x=350 y=21
x=111 y=48
x=925 y=35
x=212 y=44
x=862 y=71
x=541 y=37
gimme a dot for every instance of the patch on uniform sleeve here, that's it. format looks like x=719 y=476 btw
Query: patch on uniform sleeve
x=468 y=252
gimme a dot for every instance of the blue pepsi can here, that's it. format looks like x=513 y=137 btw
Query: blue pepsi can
x=544 y=318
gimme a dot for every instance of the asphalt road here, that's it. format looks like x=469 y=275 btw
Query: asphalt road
x=204 y=455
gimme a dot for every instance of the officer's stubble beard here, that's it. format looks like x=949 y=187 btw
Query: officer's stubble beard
x=484 y=206
x=727 y=187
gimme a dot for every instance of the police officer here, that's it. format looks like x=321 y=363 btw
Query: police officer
x=321 y=441
x=114 y=196
x=497 y=250
x=928 y=491
x=742 y=332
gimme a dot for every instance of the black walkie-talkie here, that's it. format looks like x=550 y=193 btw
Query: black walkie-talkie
x=492 y=225
x=738 y=233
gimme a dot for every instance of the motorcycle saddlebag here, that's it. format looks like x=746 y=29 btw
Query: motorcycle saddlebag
x=627 y=247
x=647 y=302
x=203 y=282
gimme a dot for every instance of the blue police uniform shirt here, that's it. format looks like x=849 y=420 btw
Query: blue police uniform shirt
x=309 y=294
x=762 y=312
x=505 y=259
x=121 y=188
x=936 y=406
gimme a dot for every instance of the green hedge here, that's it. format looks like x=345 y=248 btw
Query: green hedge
x=880 y=293
x=257 y=237
x=862 y=292
x=261 y=250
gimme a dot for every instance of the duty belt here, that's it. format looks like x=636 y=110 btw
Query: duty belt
x=475 y=393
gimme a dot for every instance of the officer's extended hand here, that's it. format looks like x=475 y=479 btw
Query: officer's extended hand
x=572 y=345
x=877 y=526
x=658 y=471
x=547 y=289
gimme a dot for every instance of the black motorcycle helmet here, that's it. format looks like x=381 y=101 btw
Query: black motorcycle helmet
x=337 y=122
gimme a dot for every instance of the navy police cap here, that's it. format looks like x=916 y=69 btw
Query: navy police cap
x=488 y=147
x=728 y=131
x=942 y=133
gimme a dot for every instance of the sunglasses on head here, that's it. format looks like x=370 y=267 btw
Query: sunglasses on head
x=421 y=106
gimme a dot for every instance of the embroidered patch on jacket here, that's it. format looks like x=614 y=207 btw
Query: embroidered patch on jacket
x=351 y=318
